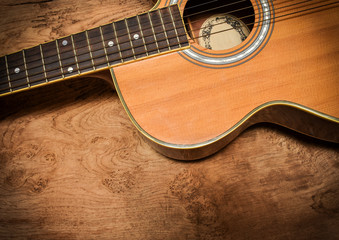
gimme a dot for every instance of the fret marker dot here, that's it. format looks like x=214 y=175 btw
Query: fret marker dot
x=70 y=69
x=110 y=43
x=136 y=36
x=64 y=42
x=17 y=70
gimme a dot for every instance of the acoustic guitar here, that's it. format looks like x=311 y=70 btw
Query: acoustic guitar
x=193 y=74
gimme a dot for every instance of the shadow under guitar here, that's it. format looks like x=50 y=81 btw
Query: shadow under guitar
x=54 y=96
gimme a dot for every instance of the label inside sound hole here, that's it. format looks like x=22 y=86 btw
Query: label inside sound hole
x=222 y=31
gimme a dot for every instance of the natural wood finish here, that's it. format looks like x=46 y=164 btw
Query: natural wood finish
x=192 y=104
x=72 y=166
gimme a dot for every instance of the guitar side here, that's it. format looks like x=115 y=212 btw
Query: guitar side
x=187 y=111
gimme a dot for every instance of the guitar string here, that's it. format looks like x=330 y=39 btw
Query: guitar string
x=208 y=2
x=222 y=6
x=126 y=56
x=211 y=9
x=155 y=49
x=129 y=49
x=160 y=33
x=130 y=55
x=249 y=7
x=161 y=24
x=185 y=24
x=263 y=21
x=212 y=1
x=201 y=4
x=276 y=12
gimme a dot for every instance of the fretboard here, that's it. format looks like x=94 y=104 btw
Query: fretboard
x=145 y=35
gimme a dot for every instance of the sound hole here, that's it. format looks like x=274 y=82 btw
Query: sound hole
x=219 y=24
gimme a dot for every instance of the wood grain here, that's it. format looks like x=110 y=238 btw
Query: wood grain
x=190 y=104
x=72 y=166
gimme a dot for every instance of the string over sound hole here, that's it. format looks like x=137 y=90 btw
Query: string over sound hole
x=219 y=25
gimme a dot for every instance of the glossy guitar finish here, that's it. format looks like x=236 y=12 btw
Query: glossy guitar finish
x=189 y=109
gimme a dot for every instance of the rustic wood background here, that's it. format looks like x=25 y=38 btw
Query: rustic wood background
x=72 y=166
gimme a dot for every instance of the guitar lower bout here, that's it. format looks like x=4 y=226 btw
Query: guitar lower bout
x=191 y=103
x=188 y=131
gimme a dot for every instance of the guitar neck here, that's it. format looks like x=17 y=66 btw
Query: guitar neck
x=130 y=39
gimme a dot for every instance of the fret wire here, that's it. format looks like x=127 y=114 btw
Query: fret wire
x=118 y=45
x=43 y=63
x=23 y=55
x=154 y=25
x=24 y=84
x=175 y=26
x=142 y=35
x=103 y=43
x=57 y=47
x=90 y=49
x=8 y=77
x=75 y=55
x=184 y=34
x=163 y=26
x=130 y=40
x=123 y=49
x=155 y=37
x=131 y=55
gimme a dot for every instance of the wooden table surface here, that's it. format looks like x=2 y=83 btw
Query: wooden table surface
x=72 y=166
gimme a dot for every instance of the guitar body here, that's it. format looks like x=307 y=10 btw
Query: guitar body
x=190 y=108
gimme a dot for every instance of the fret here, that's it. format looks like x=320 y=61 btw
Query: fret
x=97 y=43
x=35 y=70
x=117 y=42
x=142 y=36
x=148 y=34
x=59 y=57
x=75 y=57
x=83 y=56
x=130 y=40
x=163 y=26
x=67 y=56
x=25 y=65
x=43 y=62
x=51 y=64
x=136 y=37
x=159 y=31
x=175 y=26
x=124 y=41
x=111 y=45
x=90 y=49
x=179 y=25
x=3 y=70
x=4 y=81
x=99 y=60
x=52 y=61
x=172 y=31
x=17 y=71
x=153 y=31
x=8 y=78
